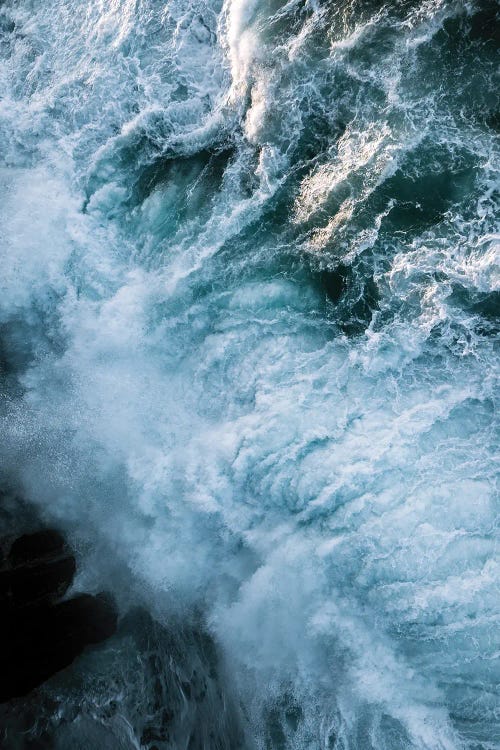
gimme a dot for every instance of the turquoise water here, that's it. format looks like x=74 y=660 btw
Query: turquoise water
x=249 y=311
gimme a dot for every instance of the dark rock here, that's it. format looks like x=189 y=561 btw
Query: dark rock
x=50 y=638
x=31 y=547
x=27 y=585
x=39 y=636
x=38 y=568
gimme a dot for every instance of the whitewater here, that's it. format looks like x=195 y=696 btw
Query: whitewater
x=248 y=339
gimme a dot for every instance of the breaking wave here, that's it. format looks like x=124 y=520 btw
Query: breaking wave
x=248 y=319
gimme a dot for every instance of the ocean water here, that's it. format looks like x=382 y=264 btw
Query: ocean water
x=248 y=324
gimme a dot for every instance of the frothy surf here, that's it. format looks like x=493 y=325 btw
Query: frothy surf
x=248 y=323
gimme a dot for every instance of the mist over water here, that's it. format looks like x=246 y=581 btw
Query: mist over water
x=248 y=327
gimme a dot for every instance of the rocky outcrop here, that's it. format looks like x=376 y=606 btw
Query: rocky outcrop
x=39 y=633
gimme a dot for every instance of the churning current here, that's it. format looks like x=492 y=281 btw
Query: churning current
x=249 y=308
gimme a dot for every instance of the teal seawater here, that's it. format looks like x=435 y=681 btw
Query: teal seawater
x=248 y=326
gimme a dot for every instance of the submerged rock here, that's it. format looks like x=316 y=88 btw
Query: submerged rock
x=39 y=634
x=154 y=685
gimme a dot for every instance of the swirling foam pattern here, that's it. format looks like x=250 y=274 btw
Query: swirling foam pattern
x=248 y=314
